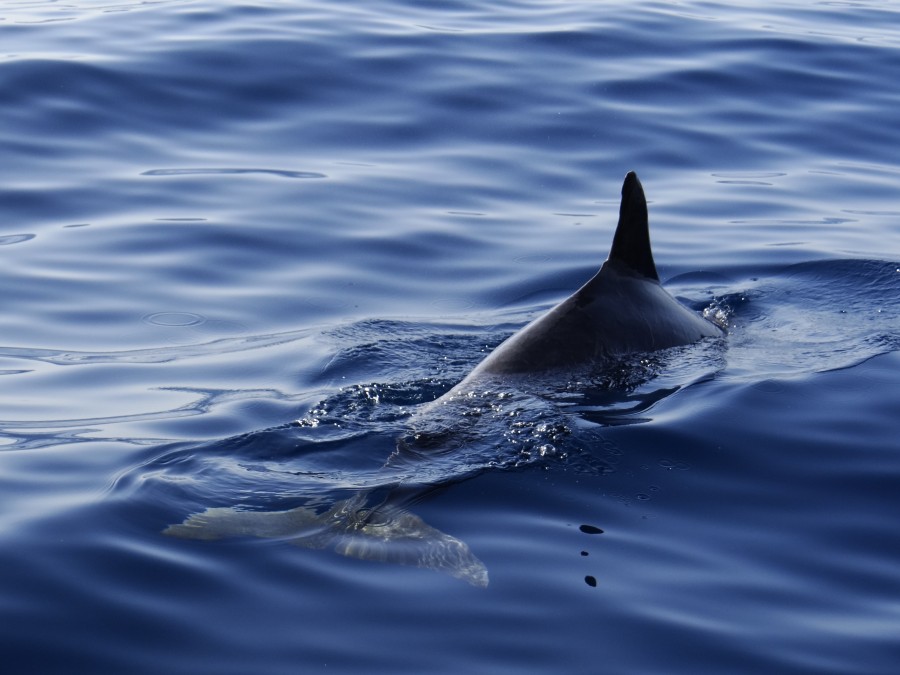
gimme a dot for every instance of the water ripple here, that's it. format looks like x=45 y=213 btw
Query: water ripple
x=165 y=354
x=233 y=171
x=9 y=239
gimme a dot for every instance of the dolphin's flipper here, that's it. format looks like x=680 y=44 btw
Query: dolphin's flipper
x=401 y=537
x=631 y=243
x=225 y=522
x=384 y=535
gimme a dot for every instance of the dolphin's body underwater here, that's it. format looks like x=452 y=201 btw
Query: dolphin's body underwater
x=622 y=310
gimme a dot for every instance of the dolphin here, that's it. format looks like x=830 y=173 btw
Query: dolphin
x=622 y=310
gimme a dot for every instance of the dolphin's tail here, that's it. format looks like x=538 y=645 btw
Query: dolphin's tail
x=384 y=534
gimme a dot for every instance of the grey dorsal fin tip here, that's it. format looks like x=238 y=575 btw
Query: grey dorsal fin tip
x=631 y=243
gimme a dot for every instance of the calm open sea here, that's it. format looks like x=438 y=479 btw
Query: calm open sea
x=242 y=242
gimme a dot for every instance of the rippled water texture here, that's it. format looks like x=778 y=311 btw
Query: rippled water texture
x=243 y=245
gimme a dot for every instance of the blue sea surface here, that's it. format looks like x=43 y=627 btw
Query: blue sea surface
x=243 y=244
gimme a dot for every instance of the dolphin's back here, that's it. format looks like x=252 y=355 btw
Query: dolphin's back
x=614 y=314
x=622 y=310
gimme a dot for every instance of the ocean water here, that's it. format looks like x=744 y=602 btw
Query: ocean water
x=242 y=244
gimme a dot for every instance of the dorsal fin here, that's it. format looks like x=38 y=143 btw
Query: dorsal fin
x=631 y=244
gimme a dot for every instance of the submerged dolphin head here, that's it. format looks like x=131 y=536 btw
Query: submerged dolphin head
x=622 y=310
